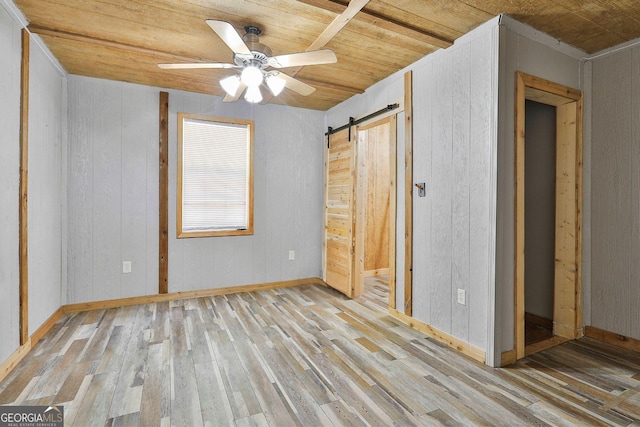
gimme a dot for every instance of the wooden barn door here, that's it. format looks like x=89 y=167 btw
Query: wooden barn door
x=338 y=240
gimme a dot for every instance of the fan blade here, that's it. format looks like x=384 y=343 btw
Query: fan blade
x=315 y=57
x=230 y=36
x=229 y=98
x=189 y=65
x=297 y=85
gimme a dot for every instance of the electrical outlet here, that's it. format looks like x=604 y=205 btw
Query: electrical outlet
x=292 y=255
x=126 y=266
x=462 y=297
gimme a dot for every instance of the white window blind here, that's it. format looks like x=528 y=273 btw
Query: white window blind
x=215 y=175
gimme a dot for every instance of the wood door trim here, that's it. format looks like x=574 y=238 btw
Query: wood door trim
x=549 y=93
x=408 y=225
x=358 y=209
x=393 y=206
x=24 y=190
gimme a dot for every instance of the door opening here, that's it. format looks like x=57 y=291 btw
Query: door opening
x=540 y=182
x=376 y=142
x=566 y=298
x=360 y=207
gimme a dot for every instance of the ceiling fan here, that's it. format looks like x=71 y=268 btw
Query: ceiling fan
x=257 y=64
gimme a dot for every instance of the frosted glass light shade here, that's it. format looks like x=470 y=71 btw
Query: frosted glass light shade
x=253 y=94
x=230 y=84
x=251 y=76
x=276 y=84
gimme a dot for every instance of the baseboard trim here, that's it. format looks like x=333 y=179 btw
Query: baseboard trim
x=612 y=338
x=47 y=325
x=174 y=296
x=443 y=337
x=12 y=361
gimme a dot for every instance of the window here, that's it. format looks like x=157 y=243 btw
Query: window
x=215 y=176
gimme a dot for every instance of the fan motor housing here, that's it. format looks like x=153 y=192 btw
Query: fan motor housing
x=259 y=51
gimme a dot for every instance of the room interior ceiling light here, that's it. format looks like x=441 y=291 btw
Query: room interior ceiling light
x=255 y=59
x=276 y=84
x=231 y=84
x=252 y=76
x=253 y=94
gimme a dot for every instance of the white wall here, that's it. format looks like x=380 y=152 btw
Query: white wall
x=454 y=143
x=455 y=119
x=521 y=49
x=47 y=185
x=288 y=189
x=112 y=185
x=46 y=181
x=10 y=54
x=615 y=192
x=113 y=195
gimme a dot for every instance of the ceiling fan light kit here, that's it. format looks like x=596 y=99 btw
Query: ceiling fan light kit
x=254 y=59
x=276 y=84
x=231 y=84
x=253 y=94
x=252 y=76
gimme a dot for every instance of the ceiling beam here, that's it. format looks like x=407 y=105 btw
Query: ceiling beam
x=333 y=86
x=385 y=22
x=171 y=57
x=353 y=7
x=344 y=16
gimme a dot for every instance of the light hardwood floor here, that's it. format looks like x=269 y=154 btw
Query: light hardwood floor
x=305 y=356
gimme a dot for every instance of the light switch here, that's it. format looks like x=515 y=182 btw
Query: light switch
x=462 y=297
x=126 y=266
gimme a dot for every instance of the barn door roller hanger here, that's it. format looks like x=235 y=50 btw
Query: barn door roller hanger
x=353 y=122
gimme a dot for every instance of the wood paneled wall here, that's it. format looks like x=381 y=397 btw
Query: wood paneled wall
x=453 y=231
x=113 y=195
x=47 y=187
x=45 y=162
x=113 y=189
x=288 y=188
x=615 y=193
x=10 y=52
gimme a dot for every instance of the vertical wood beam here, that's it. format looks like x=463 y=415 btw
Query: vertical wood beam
x=360 y=139
x=408 y=165
x=518 y=293
x=393 y=206
x=163 y=286
x=578 y=225
x=23 y=245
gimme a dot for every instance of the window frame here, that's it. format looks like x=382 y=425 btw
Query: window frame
x=180 y=234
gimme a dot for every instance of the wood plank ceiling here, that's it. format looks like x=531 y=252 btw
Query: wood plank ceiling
x=125 y=39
